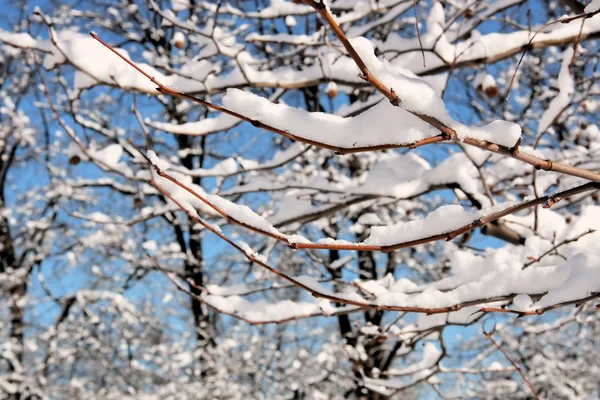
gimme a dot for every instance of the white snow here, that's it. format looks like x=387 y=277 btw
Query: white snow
x=566 y=87
x=290 y=21
x=442 y=220
x=522 y=302
x=205 y=126
x=378 y=125
x=415 y=94
x=158 y=162
x=23 y=40
x=576 y=278
x=580 y=279
x=110 y=155
x=504 y=133
x=262 y=311
x=243 y=214
x=592 y=7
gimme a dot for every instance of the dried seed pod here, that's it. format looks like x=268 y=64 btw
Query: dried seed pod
x=487 y=84
x=491 y=91
x=76 y=155
x=74 y=159
x=178 y=40
x=331 y=90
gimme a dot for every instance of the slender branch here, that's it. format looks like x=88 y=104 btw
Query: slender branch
x=517 y=367
x=181 y=288
x=566 y=241
x=419 y=32
x=540 y=311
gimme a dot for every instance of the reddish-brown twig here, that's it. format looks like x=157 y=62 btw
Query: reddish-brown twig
x=517 y=367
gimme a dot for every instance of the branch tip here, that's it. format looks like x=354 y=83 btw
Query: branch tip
x=514 y=151
x=394 y=99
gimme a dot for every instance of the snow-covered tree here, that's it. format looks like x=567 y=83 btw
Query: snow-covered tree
x=299 y=199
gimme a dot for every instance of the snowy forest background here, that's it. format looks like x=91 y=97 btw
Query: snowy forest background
x=356 y=199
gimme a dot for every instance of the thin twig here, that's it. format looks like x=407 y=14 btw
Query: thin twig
x=566 y=241
x=419 y=32
x=517 y=367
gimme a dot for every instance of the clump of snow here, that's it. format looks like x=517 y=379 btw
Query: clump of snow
x=180 y=5
x=502 y=132
x=262 y=311
x=76 y=154
x=110 y=155
x=484 y=82
x=522 y=302
x=444 y=219
x=205 y=126
x=178 y=39
x=243 y=214
x=415 y=94
x=158 y=162
x=378 y=125
x=578 y=278
x=290 y=21
x=23 y=40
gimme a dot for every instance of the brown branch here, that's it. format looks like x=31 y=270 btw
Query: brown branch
x=447 y=133
x=540 y=311
x=391 y=95
x=331 y=296
x=517 y=367
x=357 y=246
